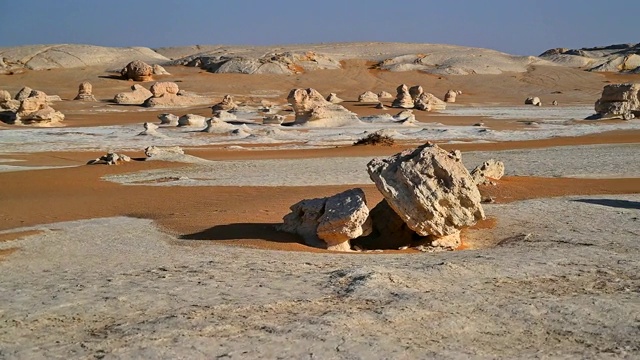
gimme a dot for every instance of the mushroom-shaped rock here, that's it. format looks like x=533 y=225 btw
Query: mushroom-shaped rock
x=415 y=92
x=403 y=98
x=430 y=189
x=429 y=102
x=330 y=222
x=192 y=120
x=168 y=119
x=333 y=98
x=227 y=104
x=450 y=96
x=368 y=96
x=385 y=95
x=311 y=109
x=137 y=70
x=137 y=96
x=159 y=70
x=85 y=92
x=490 y=169
x=533 y=100
x=619 y=100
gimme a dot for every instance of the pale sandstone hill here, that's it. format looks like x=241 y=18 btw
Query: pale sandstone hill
x=621 y=57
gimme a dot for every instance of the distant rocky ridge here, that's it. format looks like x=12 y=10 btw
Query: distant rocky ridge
x=615 y=58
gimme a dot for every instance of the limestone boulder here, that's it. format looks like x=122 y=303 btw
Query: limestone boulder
x=385 y=95
x=24 y=93
x=163 y=88
x=137 y=96
x=159 y=70
x=227 y=104
x=381 y=106
x=368 y=97
x=110 y=159
x=619 y=100
x=311 y=109
x=330 y=222
x=415 y=92
x=273 y=119
x=168 y=119
x=137 y=70
x=216 y=125
x=533 y=100
x=430 y=189
x=192 y=120
x=150 y=129
x=403 y=98
x=160 y=152
x=36 y=111
x=450 y=96
x=167 y=94
x=429 y=102
x=7 y=103
x=489 y=170
x=85 y=90
x=333 y=98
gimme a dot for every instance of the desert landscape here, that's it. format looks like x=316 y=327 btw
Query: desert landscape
x=335 y=200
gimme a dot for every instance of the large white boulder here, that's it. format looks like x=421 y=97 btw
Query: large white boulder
x=403 y=98
x=619 y=100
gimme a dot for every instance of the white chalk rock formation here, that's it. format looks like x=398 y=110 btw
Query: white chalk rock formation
x=216 y=125
x=429 y=102
x=450 y=96
x=381 y=106
x=619 y=100
x=137 y=96
x=415 y=92
x=330 y=222
x=192 y=120
x=273 y=119
x=137 y=70
x=533 y=100
x=403 y=98
x=406 y=117
x=311 y=109
x=85 y=90
x=36 y=111
x=24 y=93
x=169 y=153
x=227 y=104
x=430 y=189
x=150 y=129
x=7 y=103
x=333 y=98
x=110 y=159
x=167 y=94
x=487 y=171
x=385 y=95
x=159 y=70
x=168 y=119
x=368 y=97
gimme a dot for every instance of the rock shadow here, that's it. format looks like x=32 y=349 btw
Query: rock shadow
x=240 y=231
x=624 y=204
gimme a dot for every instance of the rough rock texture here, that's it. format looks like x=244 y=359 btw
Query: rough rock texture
x=163 y=88
x=85 y=90
x=415 y=92
x=225 y=115
x=227 y=104
x=368 y=96
x=429 y=102
x=311 y=109
x=159 y=70
x=168 y=119
x=429 y=188
x=385 y=95
x=216 y=125
x=167 y=94
x=450 y=96
x=533 y=100
x=159 y=152
x=333 y=98
x=150 y=129
x=405 y=116
x=389 y=230
x=618 y=58
x=403 y=98
x=329 y=222
x=36 y=111
x=192 y=120
x=7 y=103
x=110 y=159
x=24 y=93
x=137 y=70
x=381 y=106
x=488 y=170
x=137 y=96
x=619 y=100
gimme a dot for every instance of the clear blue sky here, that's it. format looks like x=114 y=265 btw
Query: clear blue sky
x=517 y=27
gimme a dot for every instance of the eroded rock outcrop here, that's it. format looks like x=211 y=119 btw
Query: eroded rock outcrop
x=166 y=94
x=330 y=222
x=385 y=95
x=311 y=109
x=368 y=96
x=403 y=98
x=415 y=92
x=192 y=120
x=110 y=159
x=36 y=111
x=450 y=96
x=333 y=98
x=487 y=171
x=273 y=119
x=428 y=102
x=137 y=70
x=137 y=96
x=619 y=100
x=533 y=100
x=168 y=119
x=227 y=104
x=159 y=70
x=85 y=90
x=216 y=125
x=431 y=190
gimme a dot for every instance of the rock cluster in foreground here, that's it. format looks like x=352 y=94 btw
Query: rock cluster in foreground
x=428 y=197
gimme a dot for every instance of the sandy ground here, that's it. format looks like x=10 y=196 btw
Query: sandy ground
x=93 y=268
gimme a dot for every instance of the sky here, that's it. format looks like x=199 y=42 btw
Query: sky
x=516 y=27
